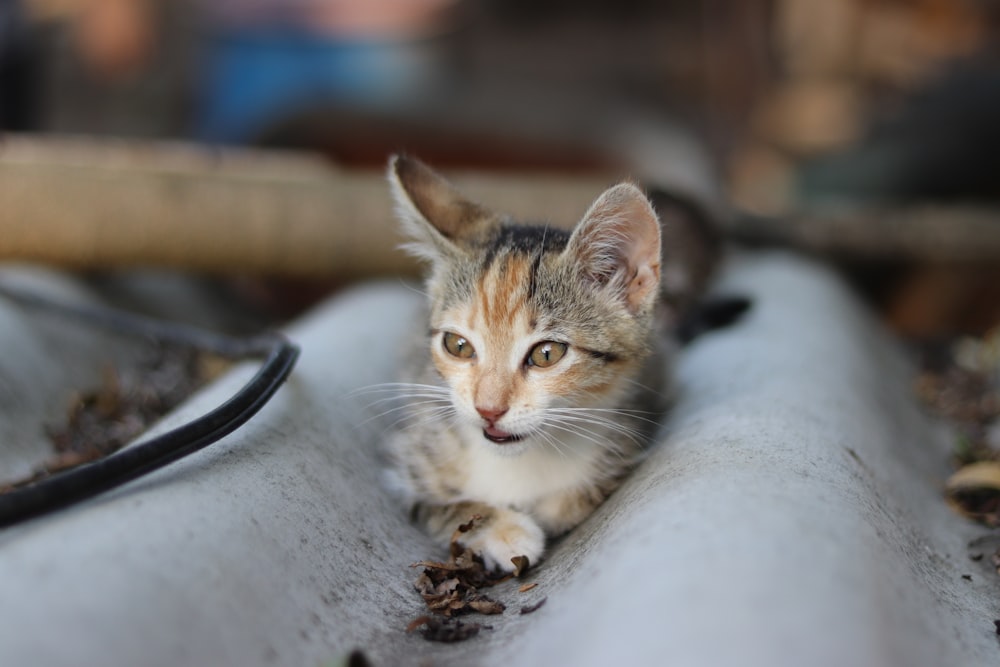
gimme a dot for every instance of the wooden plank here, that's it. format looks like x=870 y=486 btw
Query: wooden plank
x=928 y=232
x=89 y=204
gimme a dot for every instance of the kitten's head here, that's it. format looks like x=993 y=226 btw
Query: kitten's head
x=530 y=321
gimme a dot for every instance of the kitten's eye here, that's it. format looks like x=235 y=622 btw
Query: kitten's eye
x=546 y=354
x=457 y=346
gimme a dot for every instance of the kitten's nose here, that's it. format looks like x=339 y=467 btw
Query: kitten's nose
x=491 y=415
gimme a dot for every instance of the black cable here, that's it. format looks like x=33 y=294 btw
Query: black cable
x=72 y=486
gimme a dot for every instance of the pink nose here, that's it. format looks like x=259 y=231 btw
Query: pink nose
x=491 y=415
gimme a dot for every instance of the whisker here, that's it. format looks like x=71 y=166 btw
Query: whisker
x=647 y=388
x=417 y=419
x=597 y=416
x=588 y=435
x=409 y=406
x=406 y=395
x=412 y=400
x=398 y=388
x=631 y=414
x=408 y=284
x=583 y=425
x=553 y=442
x=611 y=432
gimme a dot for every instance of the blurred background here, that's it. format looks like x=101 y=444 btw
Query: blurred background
x=801 y=106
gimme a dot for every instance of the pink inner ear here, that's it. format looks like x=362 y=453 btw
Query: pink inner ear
x=646 y=279
x=620 y=236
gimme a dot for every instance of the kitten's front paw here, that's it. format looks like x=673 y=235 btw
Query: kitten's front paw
x=507 y=535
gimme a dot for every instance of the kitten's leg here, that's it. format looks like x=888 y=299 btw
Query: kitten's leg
x=561 y=512
x=500 y=535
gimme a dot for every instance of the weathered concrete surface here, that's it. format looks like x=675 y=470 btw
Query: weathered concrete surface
x=42 y=361
x=790 y=516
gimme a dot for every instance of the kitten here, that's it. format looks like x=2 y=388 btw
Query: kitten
x=543 y=374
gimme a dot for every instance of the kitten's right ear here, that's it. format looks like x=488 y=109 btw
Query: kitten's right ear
x=433 y=212
x=617 y=245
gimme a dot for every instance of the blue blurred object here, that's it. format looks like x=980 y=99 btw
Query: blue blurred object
x=254 y=79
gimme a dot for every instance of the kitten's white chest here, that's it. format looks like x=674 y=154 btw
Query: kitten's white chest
x=524 y=479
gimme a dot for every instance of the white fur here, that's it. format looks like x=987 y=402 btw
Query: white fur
x=509 y=534
x=520 y=479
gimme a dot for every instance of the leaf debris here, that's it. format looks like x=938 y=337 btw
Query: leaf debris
x=452 y=588
x=530 y=609
x=961 y=383
x=445 y=629
x=103 y=419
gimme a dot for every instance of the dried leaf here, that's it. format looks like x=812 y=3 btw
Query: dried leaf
x=447 y=586
x=466 y=527
x=443 y=604
x=485 y=605
x=981 y=476
x=974 y=491
x=439 y=629
x=521 y=565
x=437 y=565
x=416 y=623
x=526 y=587
x=535 y=607
x=423 y=582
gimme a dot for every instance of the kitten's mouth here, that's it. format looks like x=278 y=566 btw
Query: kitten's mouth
x=500 y=437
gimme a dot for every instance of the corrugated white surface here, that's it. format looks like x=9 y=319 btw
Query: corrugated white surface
x=791 y=516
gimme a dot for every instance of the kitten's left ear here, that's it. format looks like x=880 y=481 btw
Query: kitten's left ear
x=432 y=210
x=618 y=246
